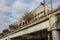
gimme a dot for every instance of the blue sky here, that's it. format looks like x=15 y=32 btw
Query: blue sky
x=12 y=10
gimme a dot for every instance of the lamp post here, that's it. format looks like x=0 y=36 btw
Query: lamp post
x=44 y=6
x=51 y=4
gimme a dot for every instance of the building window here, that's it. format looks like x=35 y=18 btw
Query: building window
x=23 y=23
x=38 y=13
x=41 y=12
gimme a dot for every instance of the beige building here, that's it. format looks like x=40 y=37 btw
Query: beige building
x=40 y=12
x=33 y=15
x=18 y=24
x=29 y=17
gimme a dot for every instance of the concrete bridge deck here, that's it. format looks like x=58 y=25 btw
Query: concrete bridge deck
x=44 y=23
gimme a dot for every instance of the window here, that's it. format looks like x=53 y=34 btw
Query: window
x=23 y=23
x=41 y=12
x=5 y=39
x=38 y=13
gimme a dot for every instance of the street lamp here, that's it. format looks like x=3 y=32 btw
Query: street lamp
x=51 y=4
x=44 y=6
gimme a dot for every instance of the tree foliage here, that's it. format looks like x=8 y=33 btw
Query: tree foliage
x=1 y=33
x=5 y=31
x=13 y=27
x=28 y=16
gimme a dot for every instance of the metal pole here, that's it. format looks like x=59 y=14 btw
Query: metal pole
x=51 y=4
x=44 y=7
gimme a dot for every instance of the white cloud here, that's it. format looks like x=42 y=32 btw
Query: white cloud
x=33 y=5
x=17 y=9
x=3 y=1
x=4 y=8
x=19 y=5
x=38 y=1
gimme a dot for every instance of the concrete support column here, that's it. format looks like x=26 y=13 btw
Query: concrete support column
x=55 y=30
x=8 y=39
x=55 y=35
x=49 y=36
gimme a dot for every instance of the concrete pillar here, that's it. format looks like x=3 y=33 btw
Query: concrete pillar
x=55 y=35
x=8 y=39
x=55 y=31
x=49 y=36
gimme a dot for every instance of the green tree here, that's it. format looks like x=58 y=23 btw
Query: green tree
x=28 y=16
x=13 y=27
x=5 y=31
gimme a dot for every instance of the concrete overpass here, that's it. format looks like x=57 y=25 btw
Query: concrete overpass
x=47 y=22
